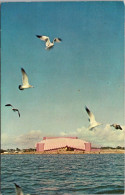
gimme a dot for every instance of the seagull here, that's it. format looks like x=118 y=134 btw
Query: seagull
x=116 y=126
x=49 y=44
x=93 y=122
x=24 y=81
x=14 y=109
x=19 y=190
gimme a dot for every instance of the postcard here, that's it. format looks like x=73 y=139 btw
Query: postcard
x=62 y=97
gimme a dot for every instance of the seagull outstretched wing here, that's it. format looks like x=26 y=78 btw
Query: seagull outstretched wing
x=9 y=105
x=18 y=190
x=24 y=78
x=91 y=115
x=18 y=113
x=116 y=126
x=57 y=40
x=42 y=38
x=14 y=109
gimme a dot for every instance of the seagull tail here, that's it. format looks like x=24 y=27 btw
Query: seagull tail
x=31 y=86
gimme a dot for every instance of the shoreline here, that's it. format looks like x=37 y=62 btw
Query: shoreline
x=102 y=151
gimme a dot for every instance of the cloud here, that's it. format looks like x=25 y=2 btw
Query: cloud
x=6 y=141
x=4 y=138
x=63 y=133
x=27 y=140
x=101 y=136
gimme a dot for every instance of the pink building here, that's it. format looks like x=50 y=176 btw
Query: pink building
x=69 y=143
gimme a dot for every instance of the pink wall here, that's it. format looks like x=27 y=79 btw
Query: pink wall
x=88 y=147
x=40 y=147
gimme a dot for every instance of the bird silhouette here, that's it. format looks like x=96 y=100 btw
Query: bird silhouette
x=14 y=109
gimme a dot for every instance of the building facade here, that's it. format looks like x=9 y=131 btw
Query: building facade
x=64 y=143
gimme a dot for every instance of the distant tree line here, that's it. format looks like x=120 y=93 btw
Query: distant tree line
x=118 y=147
x=2 y=151
x=17 y=150
x=33 y=149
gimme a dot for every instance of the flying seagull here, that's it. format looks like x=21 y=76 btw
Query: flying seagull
x=116 y=126
x=49 y=44
x=14 y=109
x=19 y=190
x=93 y=122
x=25 y=81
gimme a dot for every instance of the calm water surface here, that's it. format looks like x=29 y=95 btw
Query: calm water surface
x=63 y=174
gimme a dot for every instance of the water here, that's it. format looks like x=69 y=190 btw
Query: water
x=63 y=174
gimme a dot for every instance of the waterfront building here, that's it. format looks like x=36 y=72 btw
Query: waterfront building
x=63 y=143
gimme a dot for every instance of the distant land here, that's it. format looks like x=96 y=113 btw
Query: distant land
x=103 y=150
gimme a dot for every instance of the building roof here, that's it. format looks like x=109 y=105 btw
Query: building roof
x=59 y=137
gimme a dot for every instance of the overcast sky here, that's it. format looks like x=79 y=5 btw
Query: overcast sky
x=86 y=68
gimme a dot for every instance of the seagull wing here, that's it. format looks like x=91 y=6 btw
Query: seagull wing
x=57 y=40
x=24 y=77
x=42 y=38
x=114 y=125
x=18 y=190
x=118 y=127
x=91 y=115
x=17 y=111
x=9 y=105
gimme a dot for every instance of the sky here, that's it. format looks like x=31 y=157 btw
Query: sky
x=85 y=69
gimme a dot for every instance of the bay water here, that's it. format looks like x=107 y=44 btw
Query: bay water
x=59 y=174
